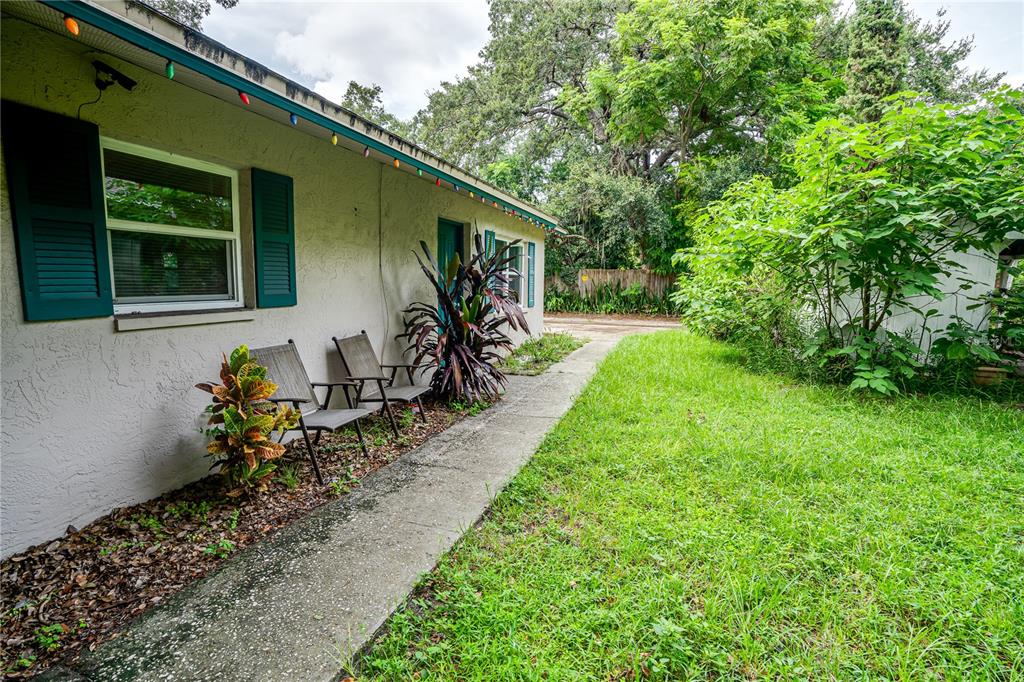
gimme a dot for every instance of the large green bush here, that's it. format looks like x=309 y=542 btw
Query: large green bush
x=875 y=224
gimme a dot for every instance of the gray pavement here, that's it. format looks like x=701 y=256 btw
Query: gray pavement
x=299 y=605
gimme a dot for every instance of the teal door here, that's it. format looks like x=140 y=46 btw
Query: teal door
x=449 y=242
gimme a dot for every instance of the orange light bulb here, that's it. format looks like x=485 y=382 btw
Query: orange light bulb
x=71 y=25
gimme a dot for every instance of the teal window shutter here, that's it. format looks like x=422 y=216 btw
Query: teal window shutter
x=488 y=243
x=55 y=187
x=273 y=223
x=531 y=257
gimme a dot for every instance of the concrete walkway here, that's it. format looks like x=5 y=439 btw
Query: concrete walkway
x=297 y=606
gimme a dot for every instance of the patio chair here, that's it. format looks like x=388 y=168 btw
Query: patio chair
x=362 y=366
x=285 y=368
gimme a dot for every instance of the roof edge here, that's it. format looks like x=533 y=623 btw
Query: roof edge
x=153 y=31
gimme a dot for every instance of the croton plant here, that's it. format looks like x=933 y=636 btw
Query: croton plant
x=242 y=419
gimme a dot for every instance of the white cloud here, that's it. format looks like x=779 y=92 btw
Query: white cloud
x=408 y=48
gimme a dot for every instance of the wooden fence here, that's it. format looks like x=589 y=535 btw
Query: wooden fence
x=590 y=280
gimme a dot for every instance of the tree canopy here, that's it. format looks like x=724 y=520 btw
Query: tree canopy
x=574 y=101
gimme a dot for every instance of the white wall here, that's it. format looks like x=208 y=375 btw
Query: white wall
x=976 y=272
x=95 y=419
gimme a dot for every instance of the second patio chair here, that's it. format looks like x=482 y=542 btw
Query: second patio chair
x=285 y=368
x=362 y=366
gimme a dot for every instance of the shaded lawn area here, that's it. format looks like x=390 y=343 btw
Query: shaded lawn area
x=534 y=356
x=688 y=519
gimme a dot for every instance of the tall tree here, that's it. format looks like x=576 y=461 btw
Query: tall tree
x=887 y=49
x=366 y=100
x=189 y=12
x=877 y=57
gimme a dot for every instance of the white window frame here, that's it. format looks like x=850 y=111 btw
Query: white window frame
x=234 y=237
x=502 y=236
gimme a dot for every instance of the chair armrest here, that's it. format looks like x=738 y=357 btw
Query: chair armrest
x=342 y=382
x=380 y=378
x=276 y=399
x=410 y=369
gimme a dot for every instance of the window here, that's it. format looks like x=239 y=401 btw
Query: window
x=173 y=230
x=516 y=252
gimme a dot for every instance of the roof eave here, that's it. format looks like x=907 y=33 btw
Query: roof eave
x=161 y=35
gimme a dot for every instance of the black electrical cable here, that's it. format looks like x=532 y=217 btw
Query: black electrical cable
x=86 y=104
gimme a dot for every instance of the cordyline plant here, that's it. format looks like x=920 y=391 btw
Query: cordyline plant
x=462 y=333
x=242 y=420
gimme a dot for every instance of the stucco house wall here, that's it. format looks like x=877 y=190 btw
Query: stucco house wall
x=95 y=418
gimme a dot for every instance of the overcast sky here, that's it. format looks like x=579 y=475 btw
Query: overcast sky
x=409 y=48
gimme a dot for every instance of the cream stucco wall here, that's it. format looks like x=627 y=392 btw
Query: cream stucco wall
x=93 y=418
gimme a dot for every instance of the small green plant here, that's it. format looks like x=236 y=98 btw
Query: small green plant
x=48 y=637
x=197 y=511
x=242 y=419
x=342 y=484
x=232 y=522
x=117 y=547
x=149 y=522
x=288 y=476
x=221 y=548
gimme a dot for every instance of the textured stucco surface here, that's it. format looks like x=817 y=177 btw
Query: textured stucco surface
x=94 y=419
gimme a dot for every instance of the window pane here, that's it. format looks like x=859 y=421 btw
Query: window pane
x=151 y=191
x=516 y=281
x=157 y=267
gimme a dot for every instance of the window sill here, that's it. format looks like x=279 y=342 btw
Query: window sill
x=188 y=318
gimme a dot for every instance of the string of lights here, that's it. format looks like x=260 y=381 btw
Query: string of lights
x=73 y=27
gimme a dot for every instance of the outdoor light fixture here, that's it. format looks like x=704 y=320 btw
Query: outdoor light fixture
x=366 y=152
x=107 y=75
x=438 y=182
x=419 y=172
x=334 y=138
x=169 y=70
x=294 y=119
x=244 y=97
x=396 y=163
x=71 y=25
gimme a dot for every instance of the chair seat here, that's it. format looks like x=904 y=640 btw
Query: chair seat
x=402 y=394
x=332 y=420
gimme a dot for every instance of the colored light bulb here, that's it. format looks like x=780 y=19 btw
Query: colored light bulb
x=396 y=163
x=419 y=172
x=294 y=119
x=244 y=97
x=71 y=25
x=169 y=70
x=334 y=138
x=438 y=182
x=366 y=152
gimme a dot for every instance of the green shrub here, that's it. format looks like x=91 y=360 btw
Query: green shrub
x=611 y=299
x=873 y=226
x=242 y=419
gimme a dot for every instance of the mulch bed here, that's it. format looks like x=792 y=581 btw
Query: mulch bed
x=76 y=592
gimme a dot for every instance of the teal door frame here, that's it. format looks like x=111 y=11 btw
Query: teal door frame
x=449 y=242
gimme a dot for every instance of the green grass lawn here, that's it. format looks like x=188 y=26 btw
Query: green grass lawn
x=535 y=355
x=690 y=520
